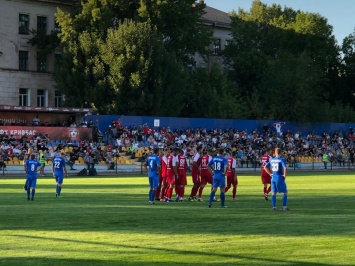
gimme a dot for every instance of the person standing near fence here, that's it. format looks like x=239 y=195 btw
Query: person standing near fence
x=42 y=160
x=325 y=159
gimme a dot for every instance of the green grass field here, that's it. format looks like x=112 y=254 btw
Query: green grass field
x=107 y=221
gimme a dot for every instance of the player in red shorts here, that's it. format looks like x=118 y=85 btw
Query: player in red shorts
x=196 y=173
x=265 y=177
x=231 y=175
x=206 y=176
x=164 y=162
x=171 y=168
x=181 y=182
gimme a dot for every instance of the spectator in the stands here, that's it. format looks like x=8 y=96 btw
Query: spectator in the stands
x=2 y=159
x=69 y=161
x=36 y=121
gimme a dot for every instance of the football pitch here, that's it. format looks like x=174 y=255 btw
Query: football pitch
x=107 y=221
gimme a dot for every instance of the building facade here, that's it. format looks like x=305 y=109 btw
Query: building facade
x=25 y=79
x=221 y=25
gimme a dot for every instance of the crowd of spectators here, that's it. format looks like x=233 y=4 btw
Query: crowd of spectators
x=339 y=146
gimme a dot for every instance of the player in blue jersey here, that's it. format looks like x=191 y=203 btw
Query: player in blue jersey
x=59 y=169
x=31 y=167
x=278 y=176
x=153 y=162
x=218 y=166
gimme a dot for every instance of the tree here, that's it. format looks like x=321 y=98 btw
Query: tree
x=279 y=55
x=124 y=75
x=145 y=78
x=211 y=94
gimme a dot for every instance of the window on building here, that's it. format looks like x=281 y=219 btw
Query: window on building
x=24 y=97
x=57 y=59
x=56 y=27
x=41 y=63
x=24 y=24
x=23 y=60
x=41 y=98
x=58 y=98
x=217 y=47
x=41 y=24
x=228 y=42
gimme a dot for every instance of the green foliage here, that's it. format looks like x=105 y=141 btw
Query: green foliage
x=146 y=78
x=211 y=94
x=129 y=57
x=136 y=57
x=286 y=62
x=45 y=43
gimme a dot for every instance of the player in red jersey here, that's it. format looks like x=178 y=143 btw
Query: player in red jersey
x=171 y=168
x=232 y=179
x=206 y=176
x=196 y=173
x=265 y=177
x=164 y=162
x=181 y=182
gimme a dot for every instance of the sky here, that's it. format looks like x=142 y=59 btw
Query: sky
x=340 y=14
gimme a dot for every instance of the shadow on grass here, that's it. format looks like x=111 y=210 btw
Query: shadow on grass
x=170 y=251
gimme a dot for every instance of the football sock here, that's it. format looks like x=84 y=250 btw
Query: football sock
x=284 y=200
x=212 y=196
x=226 y=189
x=28 y=192
x=176 y=190
x=33 y=193
x=150 y=195
x=268 y=189
x=193 y=191
x=59 y=190
x=163 y=193
x=153 y=195
x=56 y=189
x=182 y=192
x=234 y=191
x=200 y=192
x=169 y=193
x=265 y=190
x=157 y=192
x=223 y=197
x=273 y=200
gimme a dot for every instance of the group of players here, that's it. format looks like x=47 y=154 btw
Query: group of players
x=32 y=166
x=167 y=171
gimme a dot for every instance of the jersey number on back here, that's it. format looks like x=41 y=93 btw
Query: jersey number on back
x=217 y=166
x=56 y=164
x=274 y=167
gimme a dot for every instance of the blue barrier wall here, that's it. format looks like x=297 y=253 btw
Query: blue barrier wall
x=177 y=123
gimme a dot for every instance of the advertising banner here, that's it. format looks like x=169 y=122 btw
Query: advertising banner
x=55 y=133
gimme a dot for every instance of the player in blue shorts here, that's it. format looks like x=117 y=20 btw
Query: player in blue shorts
x=153 y=162
x=278 y=176
x=218 y=166
x=59 y=169
x=31 y=167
